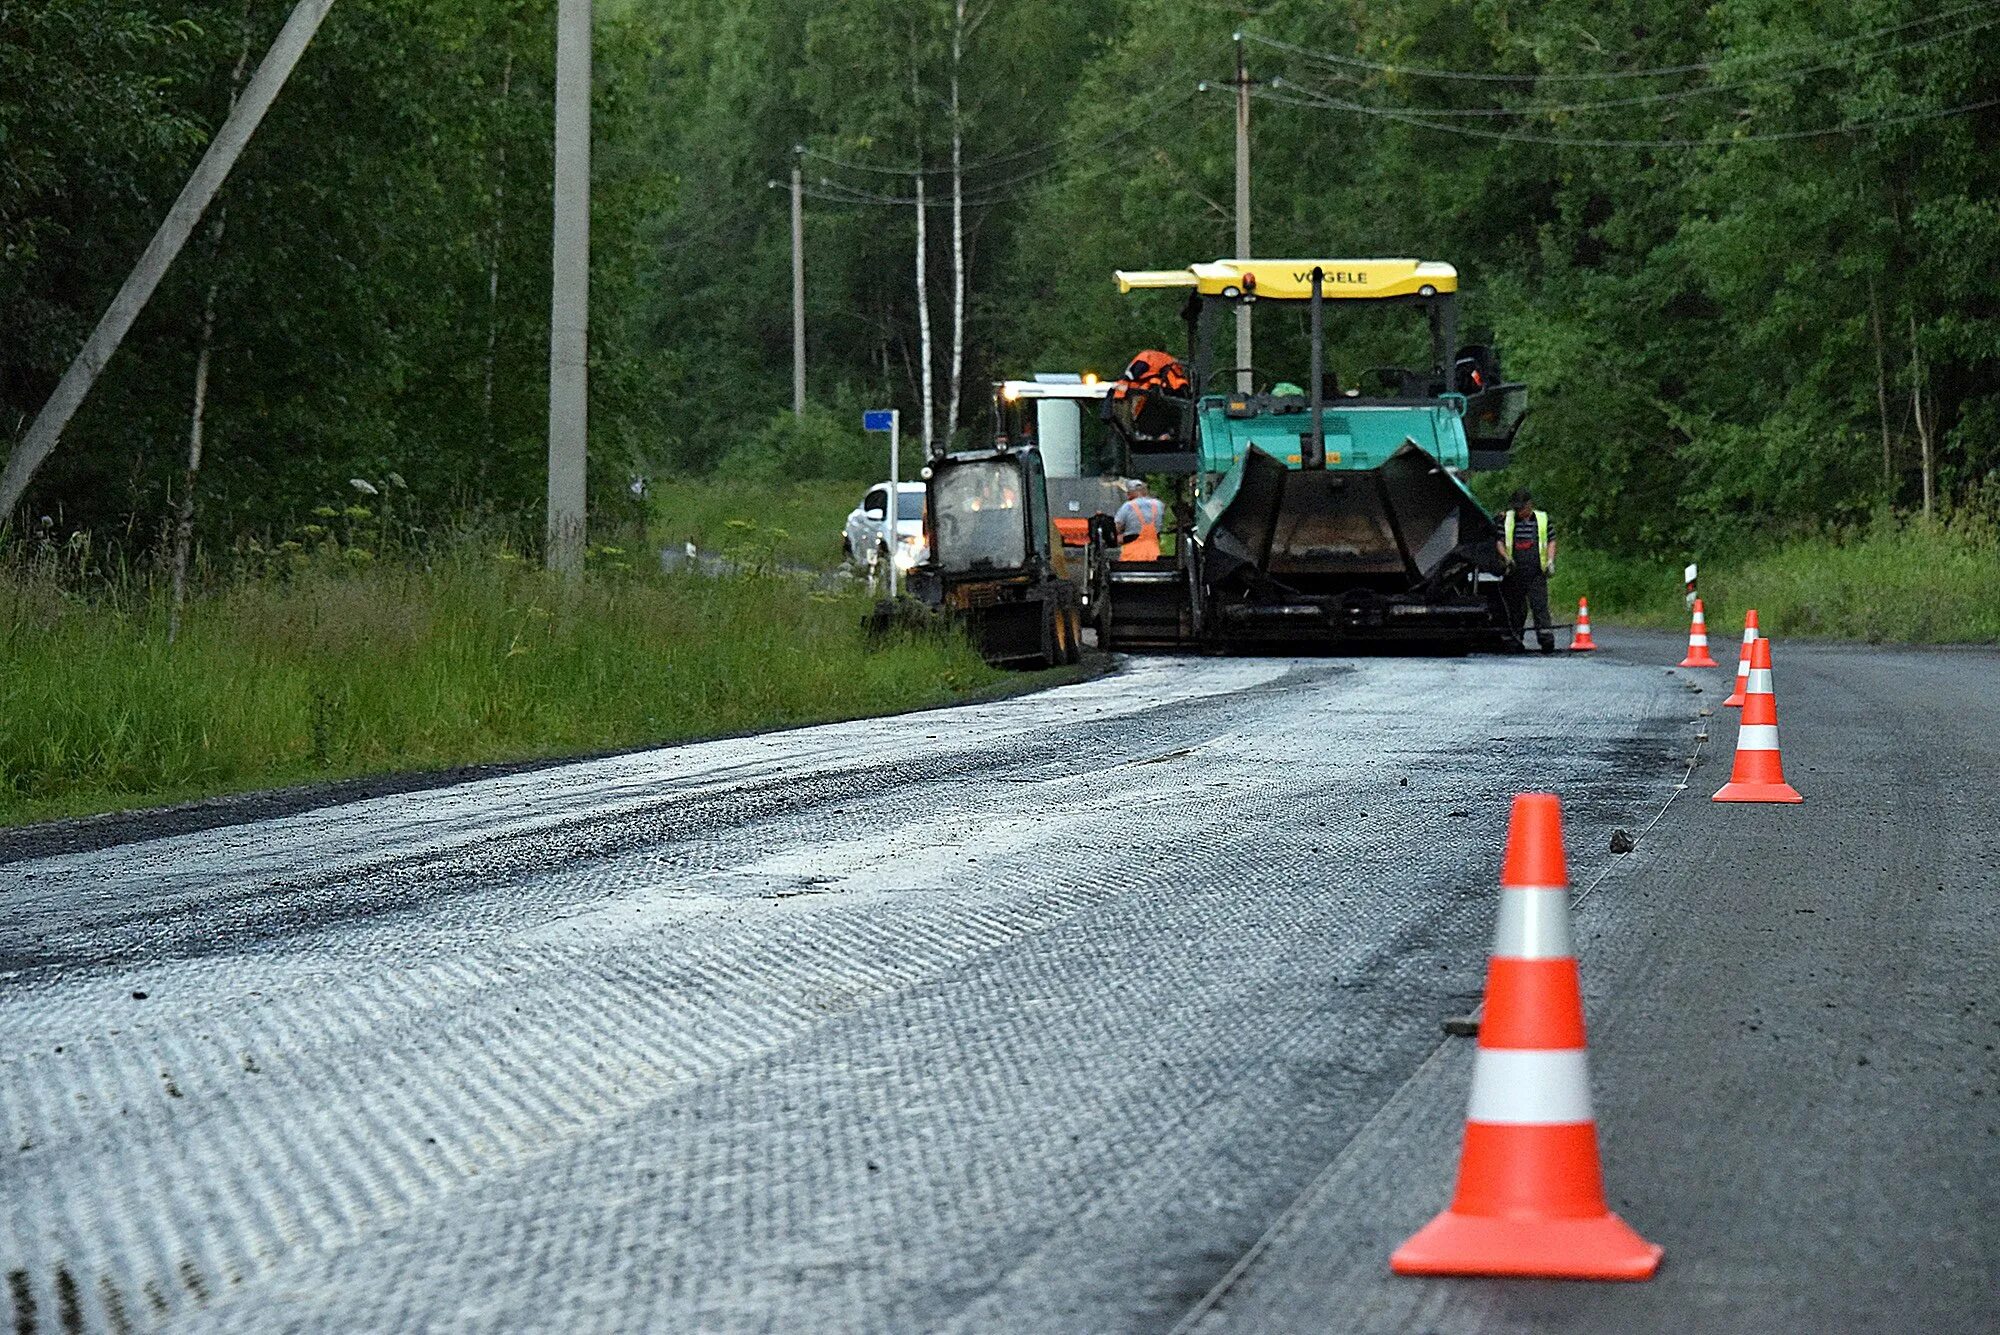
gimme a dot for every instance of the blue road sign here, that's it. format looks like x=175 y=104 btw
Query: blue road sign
x=876 y=419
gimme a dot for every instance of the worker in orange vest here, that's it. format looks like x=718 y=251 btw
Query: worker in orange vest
x=1139 y=522
x=1153 y=391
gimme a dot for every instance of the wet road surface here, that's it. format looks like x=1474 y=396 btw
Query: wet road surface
x=1110 y=1008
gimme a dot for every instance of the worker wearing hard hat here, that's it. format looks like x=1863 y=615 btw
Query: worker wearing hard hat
x=1139 y=521
x=1529 y=551
x=1152 y=392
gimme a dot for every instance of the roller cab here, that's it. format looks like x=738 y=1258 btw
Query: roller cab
x=995 y=563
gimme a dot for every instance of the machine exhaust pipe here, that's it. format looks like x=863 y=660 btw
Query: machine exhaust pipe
x=1314 y=454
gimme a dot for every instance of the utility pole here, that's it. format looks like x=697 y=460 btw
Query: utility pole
x=569 y=306
x=798 y=285
x=1243 y=362
x=201 y=188
x=894 y=516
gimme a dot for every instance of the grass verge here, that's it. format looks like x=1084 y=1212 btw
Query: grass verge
x=327 y=673
x=755 y=523
x=1895 y=581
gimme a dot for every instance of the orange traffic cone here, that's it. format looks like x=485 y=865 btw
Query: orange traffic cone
x=1698 y=641
x=1530 y=1195
x=1759 y=773
x=1582 y=640
x=1735 y=700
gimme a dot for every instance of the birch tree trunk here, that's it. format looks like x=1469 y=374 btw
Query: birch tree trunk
x=957 y=226
x=198 y=411
x=493 y=264
x=924 y=320
x=1917 y=408
x=928 y=393
x=1881 y=388
x=184 y=511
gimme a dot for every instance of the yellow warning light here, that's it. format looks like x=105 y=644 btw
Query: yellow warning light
x=1090 y=377
x=1011 y=393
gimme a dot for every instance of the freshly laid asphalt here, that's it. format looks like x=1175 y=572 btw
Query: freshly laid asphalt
x=1111 y=1008
x=1793 y=1016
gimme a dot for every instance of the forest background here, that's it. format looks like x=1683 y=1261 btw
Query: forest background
x=1737 y=317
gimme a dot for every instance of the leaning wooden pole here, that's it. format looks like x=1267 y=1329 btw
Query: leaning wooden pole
x=181 y=220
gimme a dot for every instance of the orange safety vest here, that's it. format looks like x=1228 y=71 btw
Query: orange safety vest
x=1145 y=544
x=1153 y=369
x=1151 y=386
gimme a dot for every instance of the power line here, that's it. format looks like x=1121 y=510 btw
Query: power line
x=983 y=164
x=1705 y=90
x=1060 y=143
x=1321 y=101
x=834 y=192
x=995 y=192
x=1662 y=71
x=839 y=192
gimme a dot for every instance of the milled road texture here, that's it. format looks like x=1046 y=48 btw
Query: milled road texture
x=1107 y=1009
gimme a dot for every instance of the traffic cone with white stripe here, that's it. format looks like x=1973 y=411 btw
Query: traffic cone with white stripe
x=1698 y=655
x=1759 y=772
x=1530 y=1195
x=1581 y=639
x=1735 y=700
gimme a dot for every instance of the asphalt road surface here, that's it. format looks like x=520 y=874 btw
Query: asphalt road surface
x=1111 y=1008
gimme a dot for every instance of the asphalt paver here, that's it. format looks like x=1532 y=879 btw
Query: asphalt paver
x=1109 y=1008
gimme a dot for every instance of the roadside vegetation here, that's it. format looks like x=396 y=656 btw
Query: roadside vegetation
x=313 y=666
x=1742 y=305
x=755 y=523
x=1754 y=315
x=1889 y=580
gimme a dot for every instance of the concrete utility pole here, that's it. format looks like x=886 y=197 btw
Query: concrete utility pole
x=1243 y=362
x=195 y=197
x=798 y=285
x=569 y=308
x=892 y=520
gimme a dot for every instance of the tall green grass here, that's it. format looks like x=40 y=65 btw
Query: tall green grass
x=757 y=523
x=325 y=670
x=1895 y=580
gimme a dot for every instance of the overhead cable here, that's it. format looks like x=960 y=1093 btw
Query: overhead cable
x=1684 y=94
x=1657 y=72
x=991 y=192
x=835 y=192
x=1060 y=144
x=1321 y=101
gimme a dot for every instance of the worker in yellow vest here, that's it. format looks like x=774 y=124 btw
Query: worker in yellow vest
x=1139 y=522
x=1529 y=550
